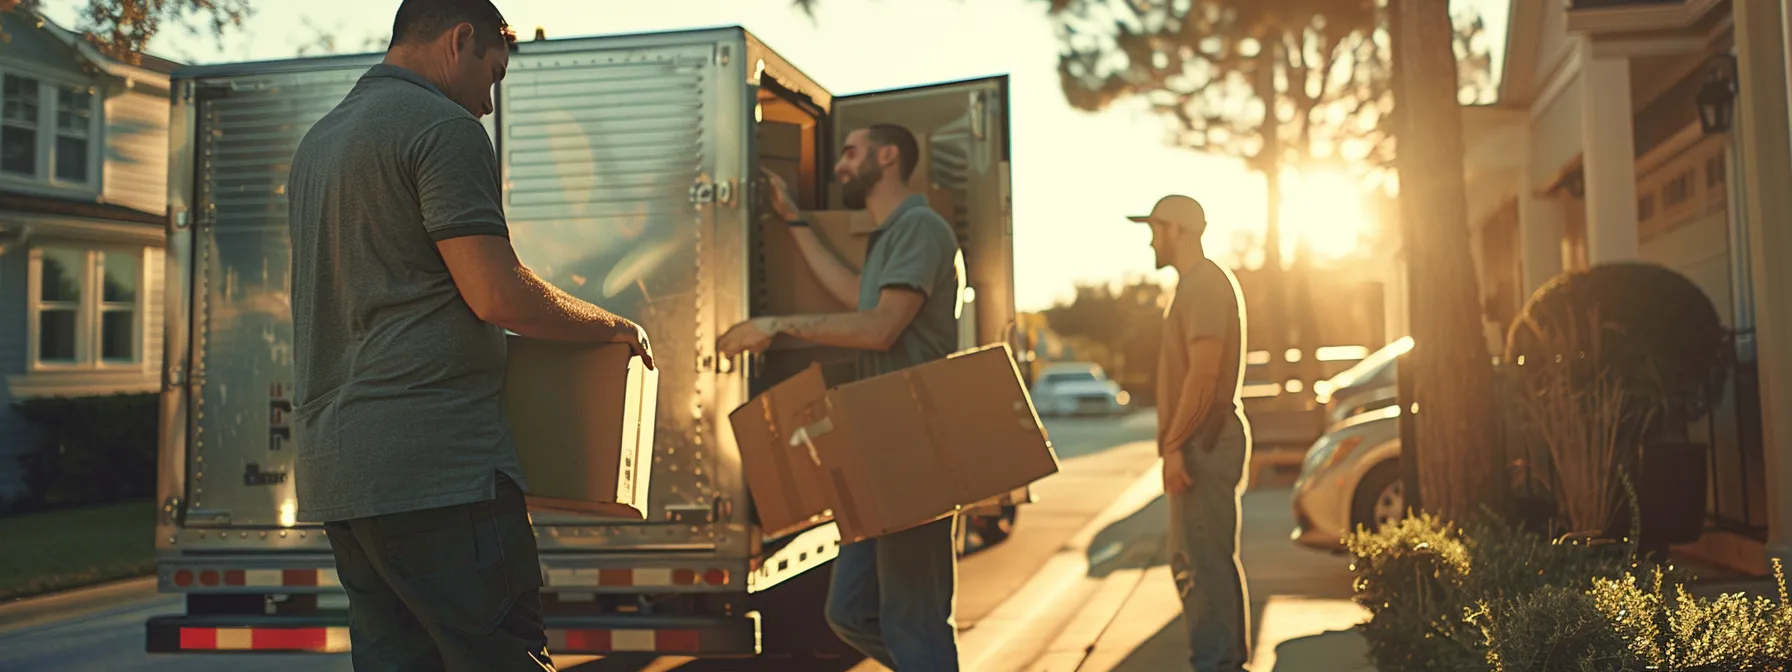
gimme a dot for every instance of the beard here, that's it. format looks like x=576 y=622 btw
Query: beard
x=854 y=191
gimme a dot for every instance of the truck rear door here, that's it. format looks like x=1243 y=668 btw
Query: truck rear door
x=964 y=126
x=964 y=129
x=239 y=456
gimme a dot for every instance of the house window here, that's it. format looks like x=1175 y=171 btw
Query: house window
x=48 y=131
x=18 y=131
x=87 y=305
x=74 y=125
x=1678 y=191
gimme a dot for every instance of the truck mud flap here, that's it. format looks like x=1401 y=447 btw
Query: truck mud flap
x=706 y=636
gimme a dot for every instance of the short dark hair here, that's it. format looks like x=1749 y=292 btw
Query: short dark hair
x=908 y=152
x=424 y=20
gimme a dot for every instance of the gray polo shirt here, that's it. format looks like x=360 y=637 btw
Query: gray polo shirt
x=398 y=381
x=914 y=248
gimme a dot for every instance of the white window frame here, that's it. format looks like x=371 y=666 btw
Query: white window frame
x=90 y=310
x=45 y=181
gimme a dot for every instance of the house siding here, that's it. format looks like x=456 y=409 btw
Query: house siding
x=136 y=162
x=1556 y=135
x=36 y=48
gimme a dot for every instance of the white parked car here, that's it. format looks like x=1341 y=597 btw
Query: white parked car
x=1351 y=477
x=1077 y=388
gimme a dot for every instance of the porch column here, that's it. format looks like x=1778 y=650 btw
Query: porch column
x=1766 y=143
x=1609 y=159
x=1539 y=234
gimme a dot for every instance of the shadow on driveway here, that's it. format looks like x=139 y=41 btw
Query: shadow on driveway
x=1335 y=651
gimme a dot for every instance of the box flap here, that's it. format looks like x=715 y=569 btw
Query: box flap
x=990 y=411
x=882 y=438
x=784 y=481
x=582 y=417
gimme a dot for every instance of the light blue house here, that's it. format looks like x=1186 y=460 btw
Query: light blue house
x=83 y=200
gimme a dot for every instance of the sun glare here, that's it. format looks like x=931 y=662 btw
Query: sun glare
x=1326 y=208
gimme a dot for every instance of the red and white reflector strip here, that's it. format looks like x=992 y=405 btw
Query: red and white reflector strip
x=626 y=578
x=625 y=641
x=315 y=640
x=256 y=578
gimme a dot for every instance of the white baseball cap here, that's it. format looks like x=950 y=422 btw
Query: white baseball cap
x=1179 y=210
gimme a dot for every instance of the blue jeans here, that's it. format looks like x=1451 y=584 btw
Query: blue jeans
x=1204 y=530
x=892 y=598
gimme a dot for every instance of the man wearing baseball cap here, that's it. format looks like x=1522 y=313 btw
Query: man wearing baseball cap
x=1202 y=435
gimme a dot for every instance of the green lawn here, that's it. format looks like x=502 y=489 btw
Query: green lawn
x=58 y=550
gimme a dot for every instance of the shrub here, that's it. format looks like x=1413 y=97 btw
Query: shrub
x=1412 y=576
x=1555 y=629
x=1431 y=588
x=1650 y=325
x=94 y=450
x=1670 y=629
x=1494 y=597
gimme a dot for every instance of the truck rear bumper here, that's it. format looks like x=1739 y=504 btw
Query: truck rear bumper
x=707 y=636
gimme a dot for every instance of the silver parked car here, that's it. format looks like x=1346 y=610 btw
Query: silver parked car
x=1350 y=477
x=1078 y=388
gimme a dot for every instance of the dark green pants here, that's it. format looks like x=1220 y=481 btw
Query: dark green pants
x=455 y=588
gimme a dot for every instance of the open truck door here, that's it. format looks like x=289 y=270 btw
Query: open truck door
x=962 y=133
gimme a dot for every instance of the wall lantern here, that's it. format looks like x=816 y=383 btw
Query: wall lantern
x=1717 y=97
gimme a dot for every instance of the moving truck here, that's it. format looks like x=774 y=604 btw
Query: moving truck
x=631 y=169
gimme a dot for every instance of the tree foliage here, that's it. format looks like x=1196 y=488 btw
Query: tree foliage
x=1218 y=68
x=121 y=29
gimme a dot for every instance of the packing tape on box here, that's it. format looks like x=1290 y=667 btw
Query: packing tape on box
x=805 y=437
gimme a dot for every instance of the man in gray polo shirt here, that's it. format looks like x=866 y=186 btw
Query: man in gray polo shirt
x=403 y=284
x=892 y=597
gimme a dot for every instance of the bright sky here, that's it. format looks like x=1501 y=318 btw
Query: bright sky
x=1075 y=175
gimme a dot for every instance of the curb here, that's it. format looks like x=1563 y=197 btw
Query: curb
x=26 y=613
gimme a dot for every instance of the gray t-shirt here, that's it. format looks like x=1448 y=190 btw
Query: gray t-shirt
x=398 y=383
x=914 y=248
x=1207 y=304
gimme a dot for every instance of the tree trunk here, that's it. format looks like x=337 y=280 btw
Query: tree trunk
x=1460 y=463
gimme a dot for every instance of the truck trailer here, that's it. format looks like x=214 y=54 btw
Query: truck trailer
x=630 y=171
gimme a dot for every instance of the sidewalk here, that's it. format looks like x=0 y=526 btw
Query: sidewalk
x=1302 y=616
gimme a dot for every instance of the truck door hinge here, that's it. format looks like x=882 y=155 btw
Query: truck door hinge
x=721 y=193
x=703 y=192
x=171 y=510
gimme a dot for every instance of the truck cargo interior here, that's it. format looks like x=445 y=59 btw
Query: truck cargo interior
x=948 y=124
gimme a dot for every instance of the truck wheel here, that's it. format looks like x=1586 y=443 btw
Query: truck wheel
x=995 y=529
x=1380 y=497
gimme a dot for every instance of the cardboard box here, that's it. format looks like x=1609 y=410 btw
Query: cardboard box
x=792 y=497
x=791 y=286
x=583 y=418
x=780 y=140
x=895 y=451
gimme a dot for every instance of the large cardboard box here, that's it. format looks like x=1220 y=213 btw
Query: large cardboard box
x=583 y=418
x=894 y=451
x=792 y=287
